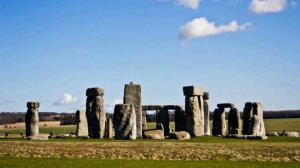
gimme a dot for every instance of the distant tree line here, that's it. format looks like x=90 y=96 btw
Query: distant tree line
x=70 y=119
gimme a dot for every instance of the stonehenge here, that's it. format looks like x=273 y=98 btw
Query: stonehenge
x=133 y=95
x=32 y=119
x=82 y=126
x=129 y=120
x=95 y=113
x=125 y=122
x=194 y=108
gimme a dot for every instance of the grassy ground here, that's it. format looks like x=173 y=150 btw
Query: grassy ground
x=74 y=163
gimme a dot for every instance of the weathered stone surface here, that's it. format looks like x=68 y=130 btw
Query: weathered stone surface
x=180 y=120
x=40 y=137
x=206 y=96
x=95 y=113
x=257 y=137
x=82 y=127
x=171 y=107
x=181 y=135
x=160 y=126
x=144 y=118
x=109 y=133
x=247 y=116
x=32 y=119
x=133 y=95
x=153 y=134
x=251 y=137
x=92 y=92
x=163 y=118
x=206 y=114
x=291 y=134
x=125 y=121
x=219 y=123
x=152 y=107
x=225 y=105
x=234 y=121
x=193 y=91
x=257 y=121
x=194 y=115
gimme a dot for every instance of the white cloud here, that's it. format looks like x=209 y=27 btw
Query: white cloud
x=193 y=4
x=67 y=99
x=201 y=27
x=267 y=6
x=110 y=105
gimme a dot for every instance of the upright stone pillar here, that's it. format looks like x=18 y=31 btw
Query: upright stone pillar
x=108 y=128
x=194 y=110
x=32 y=119
x=95 y=113
x=257 y=121
x=125 y=121
x=247 y=116
x=219 y=122
x=133 y=95
x=144 y=120
x=206 y=114
x=179 y=118
x=82 y=127
x=234 y=121
x=162 y=117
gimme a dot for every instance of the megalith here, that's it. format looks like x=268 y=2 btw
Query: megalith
x=206 y=114
x=82 y=127
x=219 y=122
x=194 y=110
x=133 y=95
x=257 y=121
x=109 y=133
x=234 y=121
x=247 y=116
x=32 y=119
x=95 y=113
x=125 y=121
x=162 y=117
x=179 y=118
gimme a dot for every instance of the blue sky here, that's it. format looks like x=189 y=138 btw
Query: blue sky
x=53 y=50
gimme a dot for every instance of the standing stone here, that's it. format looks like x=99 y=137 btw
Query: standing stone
x=234 y=121
x=144 y=120
x=162 y=117
x=179 y=118
x=133 y=95
x=109 y=128
x=32 y=119
x=219 y=122
x=247 y=116
x=257 y=121
x=95 y=113
x=82 y=127
x=125 y=121
x=194 y=110
x=206 y=114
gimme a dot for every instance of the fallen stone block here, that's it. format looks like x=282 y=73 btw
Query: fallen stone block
x=153 y=134
x=181 y=135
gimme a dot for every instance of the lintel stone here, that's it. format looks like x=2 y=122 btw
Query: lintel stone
x=193 y=91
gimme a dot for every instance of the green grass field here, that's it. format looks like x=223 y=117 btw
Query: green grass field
x=74 y=163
